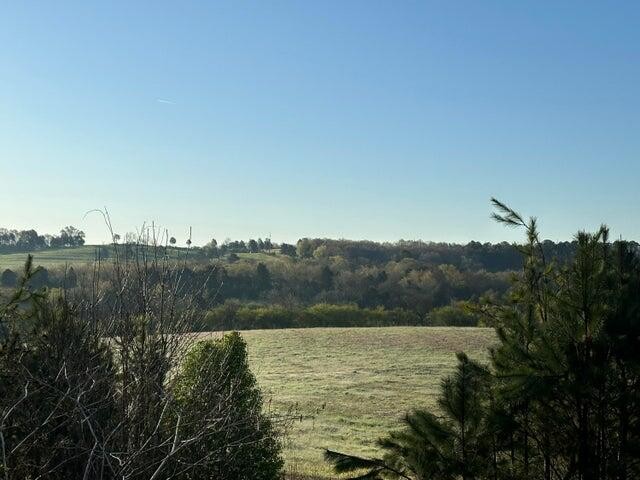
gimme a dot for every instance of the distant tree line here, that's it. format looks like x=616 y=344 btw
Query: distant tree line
x=493 y=257
x=406 y=284
x=233 y=315
x=31 y=240
x=215 y=250
x=246 y=296
x=428 y=280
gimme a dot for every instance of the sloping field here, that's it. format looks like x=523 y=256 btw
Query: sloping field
x=58 y=257
x=350 y=385
x=50 y=258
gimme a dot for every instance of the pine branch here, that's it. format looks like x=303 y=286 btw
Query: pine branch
x=343 y=463
x=506 y=215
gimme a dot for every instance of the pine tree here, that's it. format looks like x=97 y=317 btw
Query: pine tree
x=215 y=381
x=557 y=364
x=454 y=445
x=561 y=399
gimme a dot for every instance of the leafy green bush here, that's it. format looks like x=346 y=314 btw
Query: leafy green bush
x=327 y=315
x=9 y=278
x=215 y=379
x=232 y=316
x=455 y=315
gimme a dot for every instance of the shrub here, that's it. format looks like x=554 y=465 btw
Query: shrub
x=9 y=278
x=87 y=391
x=455 y=315
x=57 y=395
x=215 y=380
x=233 y=316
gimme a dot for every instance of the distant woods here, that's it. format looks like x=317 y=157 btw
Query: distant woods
x=324 y=282
x=30 y=240
x=493 y=257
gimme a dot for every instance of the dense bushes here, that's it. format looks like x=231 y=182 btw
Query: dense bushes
x=215 y=370
x=232 y=316
x=455 y=315
x=325 y=315
x=236 y=316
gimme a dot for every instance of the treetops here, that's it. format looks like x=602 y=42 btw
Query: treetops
x=31 y=240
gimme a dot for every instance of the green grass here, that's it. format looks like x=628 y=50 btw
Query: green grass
x=261 y=257
x=59 y=257
x=351 y=385
x=50 y=258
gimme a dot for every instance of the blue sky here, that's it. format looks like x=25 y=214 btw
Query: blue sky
x=379 y=120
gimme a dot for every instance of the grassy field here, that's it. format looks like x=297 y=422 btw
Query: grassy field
x=349 y=386
x=50 y=258
x=58 y=257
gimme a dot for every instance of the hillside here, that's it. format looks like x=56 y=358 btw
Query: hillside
x=59 y=257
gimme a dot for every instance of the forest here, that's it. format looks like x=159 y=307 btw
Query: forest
x=12 y=240
x=321 y=282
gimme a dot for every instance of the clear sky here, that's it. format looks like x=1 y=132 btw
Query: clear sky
x=354 y=119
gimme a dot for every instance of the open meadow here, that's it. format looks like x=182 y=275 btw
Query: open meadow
x=349 y=386
x=51 y=257
x=87 y=254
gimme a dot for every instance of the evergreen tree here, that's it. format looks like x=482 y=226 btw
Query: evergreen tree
x=70 y=278
x=215 y=381
x=456 y=445
x=562 y=400
x=288 y=250
x=326 y=278
x=9 y=278
x=263 y=278
x=57 y=388
x=557 y=362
